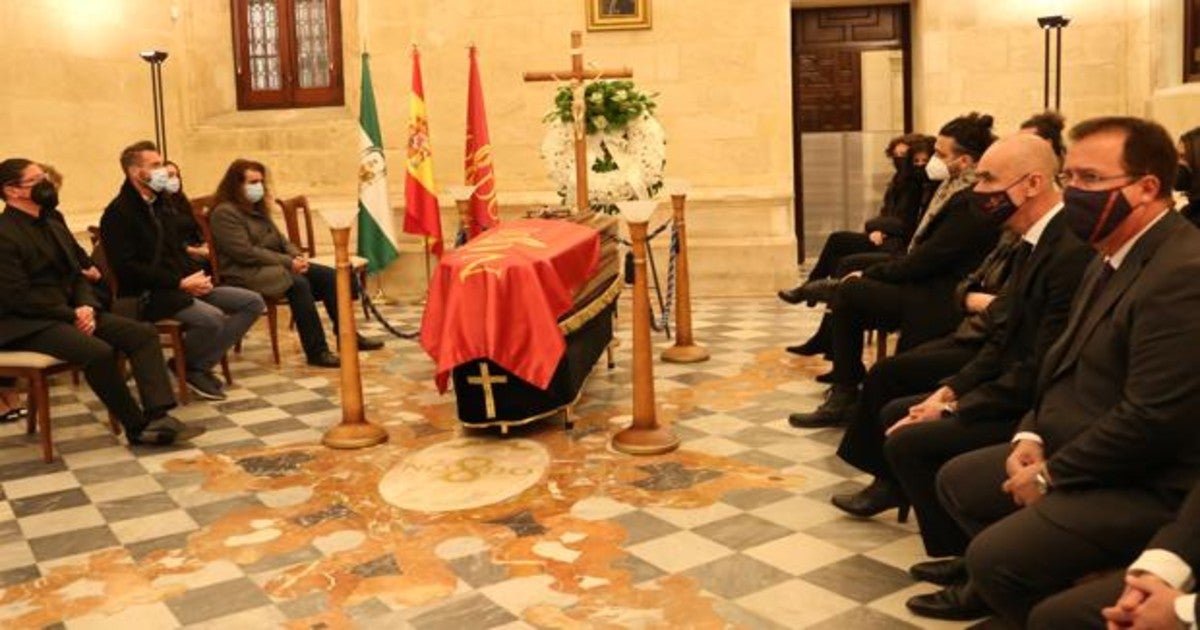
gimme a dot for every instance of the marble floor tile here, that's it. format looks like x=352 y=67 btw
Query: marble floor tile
x=217 y=601
x=859 y=578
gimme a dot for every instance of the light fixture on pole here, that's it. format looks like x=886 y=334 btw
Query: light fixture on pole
x=645 y=436
x=1056 y=23
x=685 y=350
x=353 y=431
x=156 y=58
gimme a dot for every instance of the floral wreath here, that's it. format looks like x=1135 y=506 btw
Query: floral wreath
x=626 y=145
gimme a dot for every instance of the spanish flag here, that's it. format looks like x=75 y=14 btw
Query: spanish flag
x=478 y=164
x=421 y=214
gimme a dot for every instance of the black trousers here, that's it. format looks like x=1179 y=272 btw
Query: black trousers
x=838 y=246
x=901 y=375
x=1018 y=557
x=1079 y=606
x=97 y=354
x=916 y=454
x=318 y=284
x=861 y=304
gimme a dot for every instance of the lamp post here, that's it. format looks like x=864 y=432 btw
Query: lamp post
x=645 y=436
x=685 y=350
x=353 y=431
x=1056 y=23
x=462 y=201
x=156 y=58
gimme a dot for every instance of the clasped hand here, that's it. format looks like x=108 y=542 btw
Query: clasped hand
x=196 y=284
x=85 y=319
x=1148 y=603
x=1026 y=460
x=300 y=264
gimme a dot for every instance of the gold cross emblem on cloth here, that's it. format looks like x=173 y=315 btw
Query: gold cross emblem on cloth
x=485 y=379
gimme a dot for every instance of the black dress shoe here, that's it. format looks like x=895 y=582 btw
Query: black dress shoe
x=955 y=603
x=944 y=572
x=835 y=411
x=791 y=296
x=369 y=344
x=325 y=359
x=878 y=497
x=815 y=291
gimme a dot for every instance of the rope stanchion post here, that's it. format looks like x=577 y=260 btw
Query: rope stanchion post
x=685 y=350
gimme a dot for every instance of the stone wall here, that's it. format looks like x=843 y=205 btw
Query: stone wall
x=721 y=71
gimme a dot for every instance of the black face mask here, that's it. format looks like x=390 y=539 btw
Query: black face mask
x=1183 y=178
x=997 y=205
x=1094 y=214
x=898 y=164
x=44 y=194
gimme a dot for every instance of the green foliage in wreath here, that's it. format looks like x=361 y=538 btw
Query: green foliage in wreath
x=611 y=105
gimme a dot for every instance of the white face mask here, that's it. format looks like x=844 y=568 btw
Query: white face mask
x=937 y=170
x=255 y=192
x=158 y=179
x=173 y=185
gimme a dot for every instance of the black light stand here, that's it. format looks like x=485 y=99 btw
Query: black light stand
x=1057 y=23
x=156 y=58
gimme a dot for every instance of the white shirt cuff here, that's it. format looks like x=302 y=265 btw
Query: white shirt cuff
x=1166 y=565
x=1185 y=609
x=1027 y=435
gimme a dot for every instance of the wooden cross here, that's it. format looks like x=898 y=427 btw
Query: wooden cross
x=577 y=75
x=486 y=379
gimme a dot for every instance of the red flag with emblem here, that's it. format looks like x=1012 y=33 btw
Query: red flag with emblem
x=478 y=163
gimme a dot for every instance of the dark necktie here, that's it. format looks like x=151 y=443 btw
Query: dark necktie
x=1106 y=274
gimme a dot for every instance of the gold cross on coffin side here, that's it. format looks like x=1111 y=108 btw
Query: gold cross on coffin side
x=577 y=75
x=485 y=379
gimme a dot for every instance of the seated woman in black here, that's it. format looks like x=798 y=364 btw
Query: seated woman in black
x=252 y=253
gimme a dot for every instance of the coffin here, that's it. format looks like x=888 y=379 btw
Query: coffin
x=519 y=338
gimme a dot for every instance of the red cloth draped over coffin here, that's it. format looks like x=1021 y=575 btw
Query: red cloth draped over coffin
x=500 y=297
x=494 y=315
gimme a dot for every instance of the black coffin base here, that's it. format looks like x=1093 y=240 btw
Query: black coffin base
x=518 y=402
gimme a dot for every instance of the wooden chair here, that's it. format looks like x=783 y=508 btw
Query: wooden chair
x=202 y=206
x=171 y=330
x=294 y=210
x=37 y=368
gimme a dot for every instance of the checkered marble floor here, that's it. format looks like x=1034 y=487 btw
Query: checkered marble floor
x=736 y=526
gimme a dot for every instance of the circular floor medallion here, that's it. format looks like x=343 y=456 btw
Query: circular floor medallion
x=464 y=474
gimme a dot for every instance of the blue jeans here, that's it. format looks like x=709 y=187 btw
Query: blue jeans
x=215 y=322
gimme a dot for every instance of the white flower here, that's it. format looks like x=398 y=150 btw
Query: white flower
x=597 y=97
x=639 y=151
x=620 y=96
x=600 y=122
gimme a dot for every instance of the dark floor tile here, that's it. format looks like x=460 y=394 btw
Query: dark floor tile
x=30 y=468
x=19 y=575
x=108 y=472
x=639 y=570
x=478 y=570
x=308 y=406
x=133 y=507
x=217 y=600
x=10 y=532
x=742 y=531
x=179 y=479
x=85 y=444
x=739 y=617
x=73 y=542
x=752 y=498
x=859 y=578
x=210 y=512
x=737 y=575
x=143 y=548
x=640 y=527
x=49 y=502
x=272 y=427
x=761 y=458
x=233 y=448
x=863 y=618
x=307 y=606
x=471 y=611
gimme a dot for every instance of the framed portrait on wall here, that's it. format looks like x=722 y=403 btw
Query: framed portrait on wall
x=617 y=15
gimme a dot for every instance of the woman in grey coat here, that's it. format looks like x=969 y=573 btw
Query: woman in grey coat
x=253 y=253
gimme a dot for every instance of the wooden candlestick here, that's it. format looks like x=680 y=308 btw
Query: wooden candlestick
x=685 y=350
x=645 y=437
x=354 y=431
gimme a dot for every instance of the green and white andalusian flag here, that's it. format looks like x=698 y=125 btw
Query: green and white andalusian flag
x=376 y=235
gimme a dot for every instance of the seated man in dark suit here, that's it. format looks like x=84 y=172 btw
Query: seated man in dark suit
x=1111 y=446
x=994 y=386
x=1153 y=586
x=47 y=306
x=151 y=262
x=915 y=292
